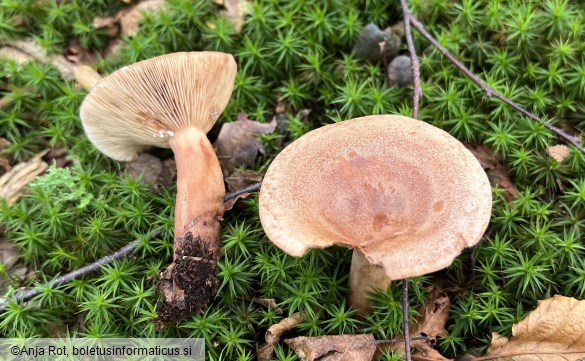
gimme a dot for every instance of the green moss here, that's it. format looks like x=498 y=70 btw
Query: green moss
x=299 y=52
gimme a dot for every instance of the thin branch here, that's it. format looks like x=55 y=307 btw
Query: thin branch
x=488 y=91
x=406 y=319
x=249 y=189
x=26 y=295
x=413 y=60
x=417 y=93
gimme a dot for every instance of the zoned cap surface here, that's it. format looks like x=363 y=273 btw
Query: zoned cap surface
x=406 y=194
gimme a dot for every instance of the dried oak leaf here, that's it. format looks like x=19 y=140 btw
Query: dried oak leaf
x=334 y=348
x=238 y=143
x=434 y=315
x=554 y=331
x=430 y=325
x=497 y=171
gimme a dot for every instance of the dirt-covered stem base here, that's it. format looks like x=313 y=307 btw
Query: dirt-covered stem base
x=190 y=281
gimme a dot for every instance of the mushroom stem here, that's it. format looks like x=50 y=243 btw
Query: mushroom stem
x=364 y=278
x=191 y=280
x=200 y=189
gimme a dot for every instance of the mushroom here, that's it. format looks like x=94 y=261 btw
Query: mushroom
x=172 y=101
x=405 y=196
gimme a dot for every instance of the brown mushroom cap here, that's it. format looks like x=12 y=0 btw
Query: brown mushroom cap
x=147 y=103
x=406 y=194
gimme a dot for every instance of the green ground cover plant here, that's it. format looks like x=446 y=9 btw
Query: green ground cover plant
x=297 y=52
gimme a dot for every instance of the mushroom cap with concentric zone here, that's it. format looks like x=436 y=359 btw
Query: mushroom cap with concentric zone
x=147 y=103
x=407 y=195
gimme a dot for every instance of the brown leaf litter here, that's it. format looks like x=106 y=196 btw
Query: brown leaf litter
x=154 y=171
x=275 y=332
x=240 y=180
x=235 y=12
x=431 y=324
x=24 y=51
x=238 y=143
x=558 y=152
x=554 y=331
x=498 y=173
x=13 y=182
x=127 y=21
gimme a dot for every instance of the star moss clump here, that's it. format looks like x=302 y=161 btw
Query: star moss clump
x=298 y=54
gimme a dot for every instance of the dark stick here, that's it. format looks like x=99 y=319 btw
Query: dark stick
x=489 y=92
x=413 y=60
x=415 y=106
x=22 y=296
x=25 y=295
x=249 y=189
x=406 y=319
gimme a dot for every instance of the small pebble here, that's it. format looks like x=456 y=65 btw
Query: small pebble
x=372 y=41
x=400 y=71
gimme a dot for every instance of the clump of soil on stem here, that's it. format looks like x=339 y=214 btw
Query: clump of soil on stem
x=189 y=282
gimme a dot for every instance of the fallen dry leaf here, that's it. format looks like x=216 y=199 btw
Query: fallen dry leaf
x=238 y=179
x=497 y=171
x=235 y=11
x=554 y=331
x=16 y=179
x=558 y=152
x=334 y=348
x=32 y=49
x=431 y=324
x=434 y=315
x=238 y=143
x=128 y=20
x=153 y=171
x=76 y=54
x=28 y=50
x=58 y=157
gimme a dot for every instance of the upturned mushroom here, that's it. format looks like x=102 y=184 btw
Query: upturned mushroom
x=406 y=196
x=172 y=101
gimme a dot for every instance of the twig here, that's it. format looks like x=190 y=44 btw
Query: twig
x=26 y=295
x=415 y=105
x=249 y=189
x=398 y=340
x=406 y=319
x=488 y=91
x=23 y=295
x=413 y=60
